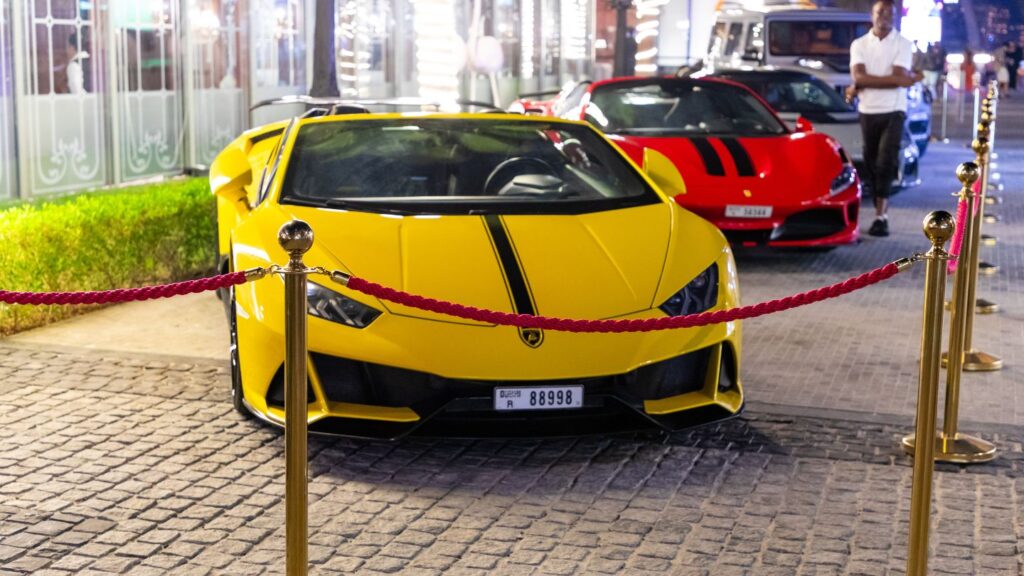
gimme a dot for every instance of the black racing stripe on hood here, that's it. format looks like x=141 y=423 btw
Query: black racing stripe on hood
x=712 y=163
x=744 y=165
x=520 y=292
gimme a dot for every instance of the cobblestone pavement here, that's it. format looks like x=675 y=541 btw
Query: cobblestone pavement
x=860 y=353
x=122 y=463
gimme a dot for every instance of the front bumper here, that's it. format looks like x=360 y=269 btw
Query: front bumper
x=366 y=400
x=829 y=223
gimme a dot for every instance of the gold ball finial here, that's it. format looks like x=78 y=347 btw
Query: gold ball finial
x=980 y=147
x=939 y=226
x=968 y=173
x=296 y=237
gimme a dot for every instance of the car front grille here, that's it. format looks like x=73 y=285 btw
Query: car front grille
x=345 y=380
x=817 y=223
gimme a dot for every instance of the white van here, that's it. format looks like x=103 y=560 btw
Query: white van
x=817 y=40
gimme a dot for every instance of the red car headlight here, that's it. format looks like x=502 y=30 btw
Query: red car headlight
x=846 y=177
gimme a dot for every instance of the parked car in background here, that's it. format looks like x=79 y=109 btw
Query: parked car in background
x=759 y=180
x=816 y=41
x=795 y=94
x=513 y=213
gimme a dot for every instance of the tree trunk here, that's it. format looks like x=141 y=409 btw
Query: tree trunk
x=325 y=71
x=621 y=65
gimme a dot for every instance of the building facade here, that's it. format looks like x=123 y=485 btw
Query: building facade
x=103 y=92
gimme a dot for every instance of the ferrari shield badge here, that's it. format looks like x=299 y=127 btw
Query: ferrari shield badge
x=532 y=337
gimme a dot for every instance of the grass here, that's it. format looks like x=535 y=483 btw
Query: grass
x=102 y=240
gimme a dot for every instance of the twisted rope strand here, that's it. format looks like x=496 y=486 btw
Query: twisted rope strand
x=958 y=236
x=630 y=325
x=125 y=294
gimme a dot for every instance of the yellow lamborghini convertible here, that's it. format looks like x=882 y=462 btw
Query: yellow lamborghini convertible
x=507 y=212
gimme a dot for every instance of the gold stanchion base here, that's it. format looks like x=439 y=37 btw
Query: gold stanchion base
x=961 y=449
x=982 y=306
x=987 y=269
x=978 y=361
x=991 y=200
x=987 y=240
x=991 y=218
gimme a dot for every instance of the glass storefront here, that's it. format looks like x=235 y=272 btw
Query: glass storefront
x=104 y=92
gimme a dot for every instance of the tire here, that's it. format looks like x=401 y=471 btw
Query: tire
x=237 y=396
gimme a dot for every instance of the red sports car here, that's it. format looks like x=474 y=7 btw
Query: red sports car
x=742 y=168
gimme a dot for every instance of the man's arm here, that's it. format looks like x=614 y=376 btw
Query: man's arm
x=900 y=78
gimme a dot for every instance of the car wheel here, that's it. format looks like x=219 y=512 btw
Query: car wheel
x=237 y=396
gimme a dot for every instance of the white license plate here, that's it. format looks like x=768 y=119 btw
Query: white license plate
x=739 y=211
x=538 y=398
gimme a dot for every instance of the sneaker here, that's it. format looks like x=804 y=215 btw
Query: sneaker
x=880 y=227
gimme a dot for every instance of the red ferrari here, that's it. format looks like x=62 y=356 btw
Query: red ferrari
x=743 y=169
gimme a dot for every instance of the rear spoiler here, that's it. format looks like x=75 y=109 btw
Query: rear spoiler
x=331 y=105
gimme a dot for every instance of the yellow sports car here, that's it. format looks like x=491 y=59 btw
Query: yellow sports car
x=507 y=212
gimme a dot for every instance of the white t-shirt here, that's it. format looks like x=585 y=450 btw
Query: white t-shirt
x=879 y=55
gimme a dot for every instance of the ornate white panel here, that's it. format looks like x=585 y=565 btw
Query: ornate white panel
x=147 y=99
x=61 y=144
x=216 y=102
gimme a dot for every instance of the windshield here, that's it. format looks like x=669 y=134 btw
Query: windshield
x=818 y=38
x=449 y=166
x=803 y=95
x=669 y=106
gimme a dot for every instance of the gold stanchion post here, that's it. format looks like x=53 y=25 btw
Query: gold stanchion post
x=985 y=132
x=986 y=129
x=978 y=360
x=950 y=445
x=296 y=237
x=938 y=226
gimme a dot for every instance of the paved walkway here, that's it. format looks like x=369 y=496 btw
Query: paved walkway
x=131 y=460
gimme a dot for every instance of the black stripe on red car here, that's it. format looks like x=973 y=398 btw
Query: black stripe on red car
x=712 y=163
x=515 y=279
x=744 y=165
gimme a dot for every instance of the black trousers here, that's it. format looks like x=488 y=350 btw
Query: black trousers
x=882 y=134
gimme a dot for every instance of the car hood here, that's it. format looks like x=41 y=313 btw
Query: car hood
x=787 y=169
x=844 y=127
x=597 y=265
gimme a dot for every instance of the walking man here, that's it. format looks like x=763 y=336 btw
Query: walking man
x=880 y=64
x=1014 y=55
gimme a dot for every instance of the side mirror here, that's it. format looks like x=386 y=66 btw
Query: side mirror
x=664 y=173
x=804 y=125
x=230 y=173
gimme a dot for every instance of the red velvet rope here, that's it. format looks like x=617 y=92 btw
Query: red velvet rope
x=125 y=294
x=958 y=235
x=631 y=325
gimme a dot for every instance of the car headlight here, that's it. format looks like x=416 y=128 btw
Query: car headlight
x=330 y=305
x=697 y=296
x=847 y=176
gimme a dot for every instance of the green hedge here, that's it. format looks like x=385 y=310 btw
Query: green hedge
x=102 y=240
